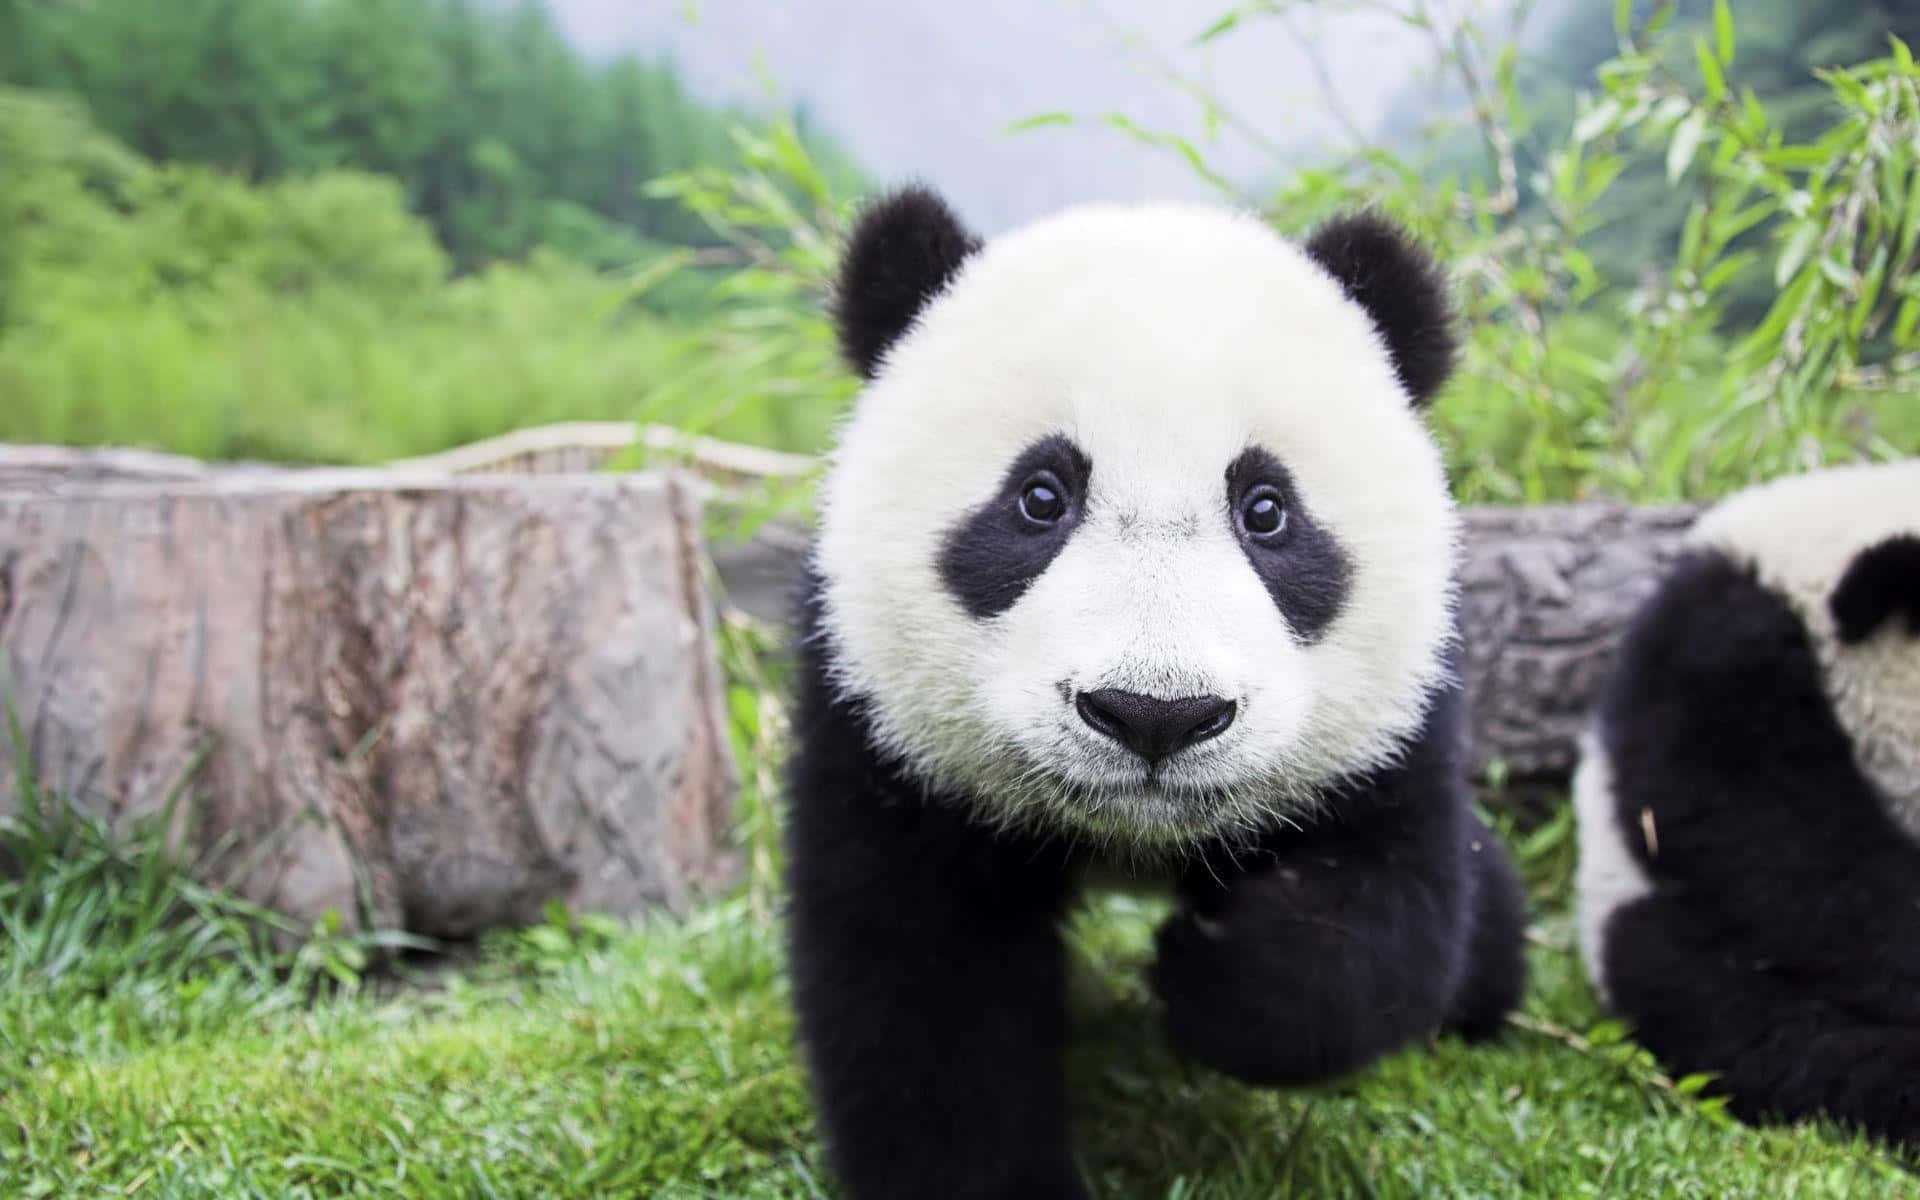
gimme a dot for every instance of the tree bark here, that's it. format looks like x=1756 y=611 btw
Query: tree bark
x=1546 y=593
x=423 y=702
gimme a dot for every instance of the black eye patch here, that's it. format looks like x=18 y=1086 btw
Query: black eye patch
x=1302 y=565
x=996 y=551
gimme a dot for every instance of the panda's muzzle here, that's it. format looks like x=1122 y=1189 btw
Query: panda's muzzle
x=1152 y=728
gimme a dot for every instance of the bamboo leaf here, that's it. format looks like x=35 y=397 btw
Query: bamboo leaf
x=1723 y=31
x=1711 y=76
x=1671 y=109
x=1871 y=281
x=1596 y=121
x=1686 y=144
x=1218 y=28
x=1910 y=226
x=1662 y=16
x=1907 y=322
x=1723 y=273
x=1039 y=120
x=1795 y=255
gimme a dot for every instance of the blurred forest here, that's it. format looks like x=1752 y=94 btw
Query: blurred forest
x=501 y=135
x=346 y=230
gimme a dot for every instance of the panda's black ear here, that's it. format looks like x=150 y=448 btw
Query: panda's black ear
x=1881 y=581
x=905 y=247
x=1393 y=277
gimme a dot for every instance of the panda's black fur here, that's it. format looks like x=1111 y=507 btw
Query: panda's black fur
x=925 y=944
x=1776 y=946
x=908 y=245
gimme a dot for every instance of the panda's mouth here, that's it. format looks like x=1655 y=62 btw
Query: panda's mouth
x=1172 y=792
x=1148 y=812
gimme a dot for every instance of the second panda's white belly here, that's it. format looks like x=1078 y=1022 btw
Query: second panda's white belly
x=1609 y=877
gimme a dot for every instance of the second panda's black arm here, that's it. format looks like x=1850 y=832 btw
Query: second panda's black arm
x=1740 y=794
x=927 y=978
x=1391 y=916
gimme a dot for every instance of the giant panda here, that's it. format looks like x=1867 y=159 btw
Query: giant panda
x=1135 y=564
x=1748 y=803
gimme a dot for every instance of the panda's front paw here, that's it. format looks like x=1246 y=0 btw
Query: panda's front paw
x=1278 y=993
x=1872 y=1080
x=1234 y=1002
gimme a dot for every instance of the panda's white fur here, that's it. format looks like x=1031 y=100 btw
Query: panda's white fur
x=1174 y=338
x=1608 y=877
x=1797 y=534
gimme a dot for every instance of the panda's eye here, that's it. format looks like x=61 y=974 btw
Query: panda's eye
x=1043 y=501
x=1263 y=513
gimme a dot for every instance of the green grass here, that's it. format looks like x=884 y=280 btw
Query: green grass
x=161 y=1039
x=587 y=1058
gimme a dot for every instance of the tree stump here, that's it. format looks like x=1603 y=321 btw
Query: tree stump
x=426 y=703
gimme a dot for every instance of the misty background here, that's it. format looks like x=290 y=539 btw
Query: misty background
x=930 y=90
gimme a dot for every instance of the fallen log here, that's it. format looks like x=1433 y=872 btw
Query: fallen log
x=1545 y=594
x=418 y=701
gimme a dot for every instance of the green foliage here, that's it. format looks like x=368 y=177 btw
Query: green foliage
x=502 y=136
x=779 y=213
x=1777 y=331
x=1775 y=48
x=312 y=318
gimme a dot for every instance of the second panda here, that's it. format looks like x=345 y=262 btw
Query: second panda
x=1749 y=805
x=1135 y=559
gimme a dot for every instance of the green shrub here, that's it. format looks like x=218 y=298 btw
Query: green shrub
x=314 y=319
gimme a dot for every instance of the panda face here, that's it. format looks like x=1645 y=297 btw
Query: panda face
x=1135 y=529
x=1842 y=547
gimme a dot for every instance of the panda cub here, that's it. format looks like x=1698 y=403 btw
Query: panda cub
x=1135 y=560
x=1749 y=805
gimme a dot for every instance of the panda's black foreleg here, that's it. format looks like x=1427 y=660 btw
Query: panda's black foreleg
x=1496 y=957
x=928 y=981
x=1779 y=1048
x=1312 y=959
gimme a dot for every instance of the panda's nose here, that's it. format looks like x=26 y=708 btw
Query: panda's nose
x=1153 y=728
